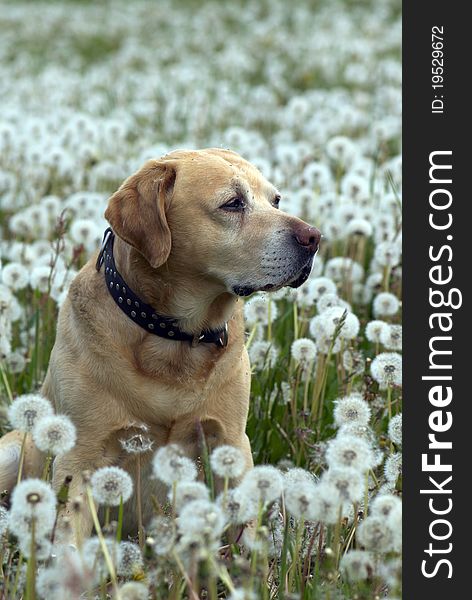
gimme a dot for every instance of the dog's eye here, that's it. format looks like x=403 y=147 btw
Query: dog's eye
x=234 y=205
x=276 y=201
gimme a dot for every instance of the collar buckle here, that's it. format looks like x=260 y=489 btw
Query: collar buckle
x=223 y=339
x=101 y=254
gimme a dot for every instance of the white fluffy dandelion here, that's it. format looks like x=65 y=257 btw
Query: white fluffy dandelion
x=263 y=483
x=395 y=429
x=328 y=301
x=26 y=410
x=227 y=461
x=374 y=330
x=110 y=485
x=320 y=286
x=327 y=503
x=383 y=504
x=349 y=451
x=129 y=559
x=299 y=498
x=391 y=337
x=385 y=304
x=256 y=310
x=263 y=354
x=357 y=565
x=338 y=319
x=375 y=534
x=40 y=278
x=303 y=351
x=202 y=517
x=171 y=465
x=32 y=500
x=387 y=254
x=348 y=482
x=134 y=590
x=189 y=491
x=162 y=535
x=352 y=409
x=55 y=434
x=15 y=276
x=386 y=369
x=393 y=467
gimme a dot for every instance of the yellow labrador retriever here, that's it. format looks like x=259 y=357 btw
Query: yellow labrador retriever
x=152 y=330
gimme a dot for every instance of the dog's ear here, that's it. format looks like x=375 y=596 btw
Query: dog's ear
x=137 y=211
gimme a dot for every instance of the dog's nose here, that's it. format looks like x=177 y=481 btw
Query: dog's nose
x=308 y=236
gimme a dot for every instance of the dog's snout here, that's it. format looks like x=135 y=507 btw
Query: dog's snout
x=308 y=237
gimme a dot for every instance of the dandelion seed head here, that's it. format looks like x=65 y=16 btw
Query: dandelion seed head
x=393 y=467
x=296 y=476
x=391 y=337
x=349 y=451
x=15 y=276
x=387 y=254
x=110 y=485
x=129 y=559
x=386 y=369
x=359 y=227
x=40 y=278
x=357 y=565
x=322 y=286
x=134 y=590
x=348 y=482
x=353 y=361
x=385 y=304
x=227 y=461
x=171 y=465
x=395 y=429
x=263 y=483
x=188 y=491
x=162 y=532
x=202 y=517
x=374 y=329
x=94 y=559
x=375 y=534
x=55 y=434
x=26 y=410
x=333 y=318
x=303 y=351
x=352 y=409
x=383 y=504
x=33 y=498
x=256 y=310
x=3 y=520
x=299 y=498
x=137 y=444
x=42 y=547
x=328 y=301
x=327 y=503
x=262 y=354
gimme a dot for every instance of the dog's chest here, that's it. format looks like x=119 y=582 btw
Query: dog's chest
x=172 y=382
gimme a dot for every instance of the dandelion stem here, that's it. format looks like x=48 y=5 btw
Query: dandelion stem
x=119 y=528
x=139 y=506
x=184 y=573
x=31 y=568
x=101 y=539
x=22 y=458
x=47 y=466
x=6 y=382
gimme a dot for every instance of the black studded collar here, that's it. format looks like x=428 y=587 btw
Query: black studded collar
x=143 y=314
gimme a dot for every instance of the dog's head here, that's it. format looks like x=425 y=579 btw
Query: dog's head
x=212 y=214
